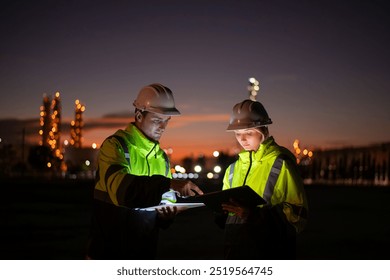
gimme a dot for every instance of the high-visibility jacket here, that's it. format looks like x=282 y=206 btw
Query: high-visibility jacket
x=277 y=181
x=132 y=170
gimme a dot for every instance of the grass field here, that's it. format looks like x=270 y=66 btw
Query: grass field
x=50 y=220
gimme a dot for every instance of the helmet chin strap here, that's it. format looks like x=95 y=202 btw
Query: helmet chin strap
x=265 y=137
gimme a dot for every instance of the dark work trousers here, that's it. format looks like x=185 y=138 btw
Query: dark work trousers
x=122 y=233
x=263 y=237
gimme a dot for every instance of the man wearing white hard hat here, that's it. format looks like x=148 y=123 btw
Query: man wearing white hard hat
x=133 y=174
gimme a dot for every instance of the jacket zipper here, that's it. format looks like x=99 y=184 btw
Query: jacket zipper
x=249 y=168
x=147 y=161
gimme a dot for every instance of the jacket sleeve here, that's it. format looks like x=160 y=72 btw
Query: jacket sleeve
x=292 y=199
x=122 y=187
x=144 y=191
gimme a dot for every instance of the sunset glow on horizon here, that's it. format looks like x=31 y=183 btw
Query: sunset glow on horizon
x=321 y=71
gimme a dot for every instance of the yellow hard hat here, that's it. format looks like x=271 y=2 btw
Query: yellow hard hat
x=156 y=98
x=248 y=114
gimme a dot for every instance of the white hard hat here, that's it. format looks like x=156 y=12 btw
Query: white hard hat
x=156 y=98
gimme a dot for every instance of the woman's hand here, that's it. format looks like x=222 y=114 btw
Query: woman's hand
x=167 y=213
x=239 y=210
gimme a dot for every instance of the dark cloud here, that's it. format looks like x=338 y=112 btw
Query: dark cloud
x=125 y=114
x=12 y=131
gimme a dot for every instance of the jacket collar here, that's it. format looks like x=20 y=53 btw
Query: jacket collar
x=260 y=153
x=138 y=139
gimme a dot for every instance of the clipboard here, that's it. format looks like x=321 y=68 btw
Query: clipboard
x=244 y=195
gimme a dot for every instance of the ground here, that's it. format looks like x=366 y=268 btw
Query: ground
x=50 y=220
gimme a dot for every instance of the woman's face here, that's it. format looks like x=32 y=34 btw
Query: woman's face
x=250 y=139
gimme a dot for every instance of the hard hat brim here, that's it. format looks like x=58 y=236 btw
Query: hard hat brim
x=163 y=111
x=236 y=126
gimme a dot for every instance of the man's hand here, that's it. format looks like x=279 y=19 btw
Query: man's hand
x=185 y=187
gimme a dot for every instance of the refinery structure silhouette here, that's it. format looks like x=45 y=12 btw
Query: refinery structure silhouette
x=50 y=130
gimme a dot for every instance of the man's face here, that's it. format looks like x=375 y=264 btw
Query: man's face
x=249 y=139
x=153 y=125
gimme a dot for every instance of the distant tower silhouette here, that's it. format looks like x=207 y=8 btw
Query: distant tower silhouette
x=50 y=128
x=76 y=126
x=55 y=133
x=45 y=121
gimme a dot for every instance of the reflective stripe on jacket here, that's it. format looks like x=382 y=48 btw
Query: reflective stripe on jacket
x=287 y=193
x=116 y=172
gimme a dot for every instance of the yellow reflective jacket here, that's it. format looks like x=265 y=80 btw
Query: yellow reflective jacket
x=132 y=170
x=254 y=169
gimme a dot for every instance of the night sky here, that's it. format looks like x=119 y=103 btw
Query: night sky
x=323 y=67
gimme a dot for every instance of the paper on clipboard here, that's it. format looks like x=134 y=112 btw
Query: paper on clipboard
x=180 y=206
